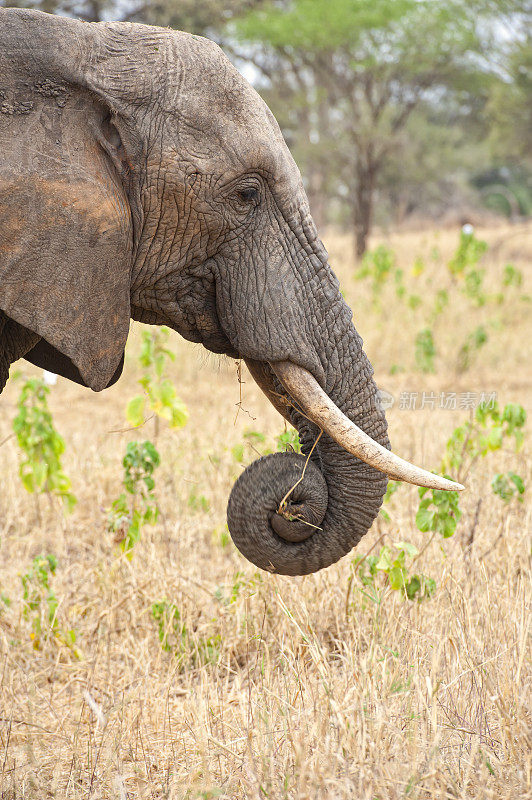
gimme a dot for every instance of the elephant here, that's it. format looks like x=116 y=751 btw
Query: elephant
x=142 y=177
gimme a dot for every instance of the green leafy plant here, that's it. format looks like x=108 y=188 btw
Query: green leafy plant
x=41 y=470
x=473 y=286
x=468 y=253
x=507 y=486
x=252 y=440
x=227 y=598
x=418 y=267
x=438 y=512
x=377 y=265
x=221 y=536
x=136 y=506
x=441 y=302
x=175 y=638
x=197 y=502
x=470 y=348
x=257 y=443
x=425 y=351
x=413 y=301
x=160 y=394
x=171 y=631
x=512 y=276
x=393 y=564
x=485 y=432
x=464 y=265
x=288 y=440
x=40 y=605
x=5 y=602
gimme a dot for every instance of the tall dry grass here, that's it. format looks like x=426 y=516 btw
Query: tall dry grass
x=281 y=687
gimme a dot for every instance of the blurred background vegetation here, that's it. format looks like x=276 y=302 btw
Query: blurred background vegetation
x=397 y=111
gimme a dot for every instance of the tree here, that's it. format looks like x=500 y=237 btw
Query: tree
x=364 y=66
x=202 y=17
x=509 y=108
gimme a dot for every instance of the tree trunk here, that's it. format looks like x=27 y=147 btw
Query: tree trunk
x=364 y=195
x=94 y=11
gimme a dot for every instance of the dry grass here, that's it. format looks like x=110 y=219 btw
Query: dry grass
x=283 y=688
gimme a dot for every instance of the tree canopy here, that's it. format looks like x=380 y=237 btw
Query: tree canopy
x=391 y=107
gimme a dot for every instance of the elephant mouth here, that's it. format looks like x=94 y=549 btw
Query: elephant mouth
x=218 y=343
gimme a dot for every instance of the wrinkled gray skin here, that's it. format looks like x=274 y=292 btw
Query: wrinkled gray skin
x=141 y=176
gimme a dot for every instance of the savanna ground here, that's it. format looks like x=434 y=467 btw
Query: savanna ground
x=278 y=687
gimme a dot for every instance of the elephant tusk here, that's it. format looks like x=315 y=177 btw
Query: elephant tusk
x=319 y=408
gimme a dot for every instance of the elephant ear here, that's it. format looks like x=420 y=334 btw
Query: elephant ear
x=66 y=235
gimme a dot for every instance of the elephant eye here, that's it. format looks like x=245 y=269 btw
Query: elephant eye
x=249 y=194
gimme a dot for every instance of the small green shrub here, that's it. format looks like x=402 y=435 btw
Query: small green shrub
x=486 y=432
x=512 y=276
x=174 y=637
x=253 y=441
x=222 y=537
x=170 y=629
x=41 y=470
x=5 y=602
x=425 y=351
x=377 y=265
x=438 y=512
x=441 y=302
x=40 y=605
x=393 y=564
x=227 y=598
x=470 y=348
x=136 y=506
x=468 y=253
x=507 y=486
x=160 y=394
x=256 y=443
x=198 y=502
x=288 y=441
x=473 y=286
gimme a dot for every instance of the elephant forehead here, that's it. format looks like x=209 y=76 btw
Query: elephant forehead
x=211 y=114
x=225 y=143
x=224 y=121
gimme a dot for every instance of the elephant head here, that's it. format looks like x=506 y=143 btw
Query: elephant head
x=146 y=178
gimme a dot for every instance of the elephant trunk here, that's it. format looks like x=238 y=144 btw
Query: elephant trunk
x=297 y=513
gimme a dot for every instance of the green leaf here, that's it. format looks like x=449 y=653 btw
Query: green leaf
x=409 y=548
x=28 y=481
x=385 y=559
x=495 y=438
x=424 y=519
x=412 y=587
x=135 y=411
x=396 y=577
x=517 y=481
x=238 y=452
x=447 y=526
x=179 y=416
